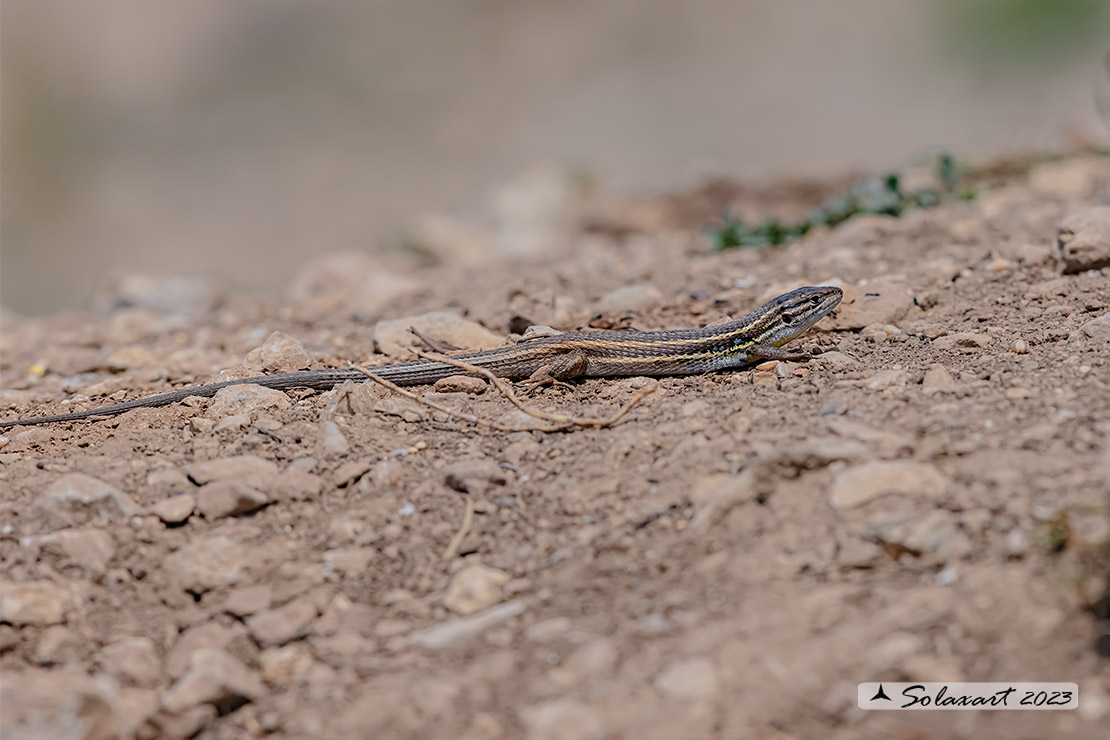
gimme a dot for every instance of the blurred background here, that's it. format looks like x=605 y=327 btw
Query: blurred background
x=241 y=139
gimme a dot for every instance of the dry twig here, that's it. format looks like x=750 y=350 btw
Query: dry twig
x=464 y=528
x=507 y=392
x=562 y=422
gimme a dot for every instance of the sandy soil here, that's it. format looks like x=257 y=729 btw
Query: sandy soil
x=926 y=501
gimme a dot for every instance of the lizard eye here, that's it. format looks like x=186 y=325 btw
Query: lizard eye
x=788 y=318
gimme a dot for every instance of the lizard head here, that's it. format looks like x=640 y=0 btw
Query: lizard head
x=791 y=314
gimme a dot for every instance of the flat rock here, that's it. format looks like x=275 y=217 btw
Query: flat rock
x=689 y=679
x=175 y=509
x=76 y=498
x=331 y=440
x=166 y=725
x=280 y=353
x=214 y=677
x=474 y=475
x=35 y=603
x=934 y=531
x=246 y=600
x=863 y=483
x=884 y=379
x=1083 y=240
x=630 y=298
x=57 y=704
x=562 y=719
x=89 y=549
x=937 y=378
x=281 y=666
x=351 y=561
x=294 y=484
x=473 y=588
x=247 y=469
x=278 y=626
x=133 y=661
x=198 y=637
x=1097 y=329
x=242 y=399
x=394 y=338
x=229 y=498
x=205 y=564
x=28 y=439
x=878 y=302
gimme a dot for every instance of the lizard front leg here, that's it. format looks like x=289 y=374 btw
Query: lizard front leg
x=562 y=367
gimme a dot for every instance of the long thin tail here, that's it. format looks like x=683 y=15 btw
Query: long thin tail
x=404 y=373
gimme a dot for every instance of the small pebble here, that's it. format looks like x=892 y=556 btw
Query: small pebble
x=767 y=366
x=1020 y=346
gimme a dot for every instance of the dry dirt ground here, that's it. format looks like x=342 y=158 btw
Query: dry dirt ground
x=928 y=500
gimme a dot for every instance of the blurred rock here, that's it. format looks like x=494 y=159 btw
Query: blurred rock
x=88 y=549
x=454 y=241
x=630 y=298
x=247 y=600
x=533 y=214
x=172 y=296
x=346 y=285
x=294 y=484
x=197 y=637
x=473 y=588
x=934 y=531
x=331 y=440
x=35 y=603
x=394 y=338
x=1083 y=240
x=351 y=561
x=937 y=378
x=175 y=509
x=884 y=379
x=243 y=399
x=76 y=498
x=205 y=564
x=475 y=475
x=133 y=661
x=229 y=498
x=247 y=469
x=58 y=705
x=690 y=679
x=167 y=725
x=1067 y=179
x=546 y=309
x=862 y=483
x=1097 y=329
x=280 y=353
x=279 y=626
x=562 y=719
x=214 y=677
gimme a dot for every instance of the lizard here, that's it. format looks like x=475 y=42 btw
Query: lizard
x=733 y=344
